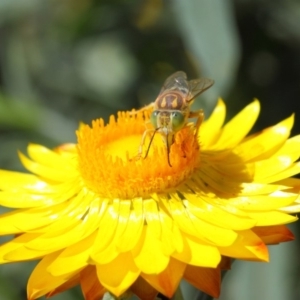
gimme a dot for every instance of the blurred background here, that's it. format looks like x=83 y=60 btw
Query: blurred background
x=66 y=61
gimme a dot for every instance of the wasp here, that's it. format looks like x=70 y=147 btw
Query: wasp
x=172 y=109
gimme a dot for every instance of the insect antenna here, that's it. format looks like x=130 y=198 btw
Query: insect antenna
x=151 y=140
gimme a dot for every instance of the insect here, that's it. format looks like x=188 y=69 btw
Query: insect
x=171 y=109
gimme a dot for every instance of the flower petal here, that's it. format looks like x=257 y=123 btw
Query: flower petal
x=72 y=258
x=16 y=249
x=70 y=229
x=168 y=280
x=90 y=285
x=294 y=169
x=55 y=174
x=247 y=246
x=49 y=158
x=274 y=234
x=21 y=198
x=171 y=237
x=41 y=282
x=213 y=214
x=197 y=253
x=143 y=289
x=271 y=218
x=150 y=246
x=263 y=203
x=207 y=280
x=133 y=230
x=210 y=129
x=195 y=226
x=71 y=283
x=152 y=217
x=263 y=145
x=118 y=275
x=12 y=181
x=273 y=166
x=239 y=126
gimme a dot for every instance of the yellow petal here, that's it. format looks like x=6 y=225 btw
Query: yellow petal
x=263 y=203
x=12 y=181
x=271 y=218
x=291 y=184
x=34 y=219
x=71 y=283
x=251 y=189
x=291 y=146
x=20 y=198
x=107 y=227
x=234 y=167
x=46 y=157
x=294 y=169
x=219 y=181
x=72 y=258
x=118 y=275
x=239 y=126
x=123 y=219
x=210 y=129
x=104 y=255
x=149 y=248
x=152 y=217
x=55 y=174
x=90 y=285
x=263 y=145
x=18 y=246
x=247 y=246
x=133 y=230
x=68 y=230
x=105 y=247
x=190 y=224
x=273 y=166
x=214 y=215
x=167 y=281
x=171 y=237
x=41 y=282
x=197 y=253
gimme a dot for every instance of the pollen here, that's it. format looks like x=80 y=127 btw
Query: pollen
x=111 y=167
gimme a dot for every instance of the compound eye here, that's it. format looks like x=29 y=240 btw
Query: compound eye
x=177 y=120
x=153 y=118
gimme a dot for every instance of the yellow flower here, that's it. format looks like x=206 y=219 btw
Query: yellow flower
x=96 y=216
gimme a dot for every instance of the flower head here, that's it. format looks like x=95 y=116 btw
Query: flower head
x=97 y=216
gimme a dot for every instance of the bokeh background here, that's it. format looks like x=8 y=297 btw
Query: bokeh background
x=66 y=61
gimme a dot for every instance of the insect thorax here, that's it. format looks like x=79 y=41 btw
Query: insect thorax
x=170 y=100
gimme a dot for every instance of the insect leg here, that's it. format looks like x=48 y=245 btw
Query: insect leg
x=147 y=131
x=199 y=114
x=151 y=140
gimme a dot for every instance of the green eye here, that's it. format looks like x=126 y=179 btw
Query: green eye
x=153 y=118
x=177 y=120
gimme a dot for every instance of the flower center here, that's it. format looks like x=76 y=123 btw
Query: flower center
x=111 y=166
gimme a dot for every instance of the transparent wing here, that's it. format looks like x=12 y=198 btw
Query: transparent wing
x=198 y=86
x=177 y=81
